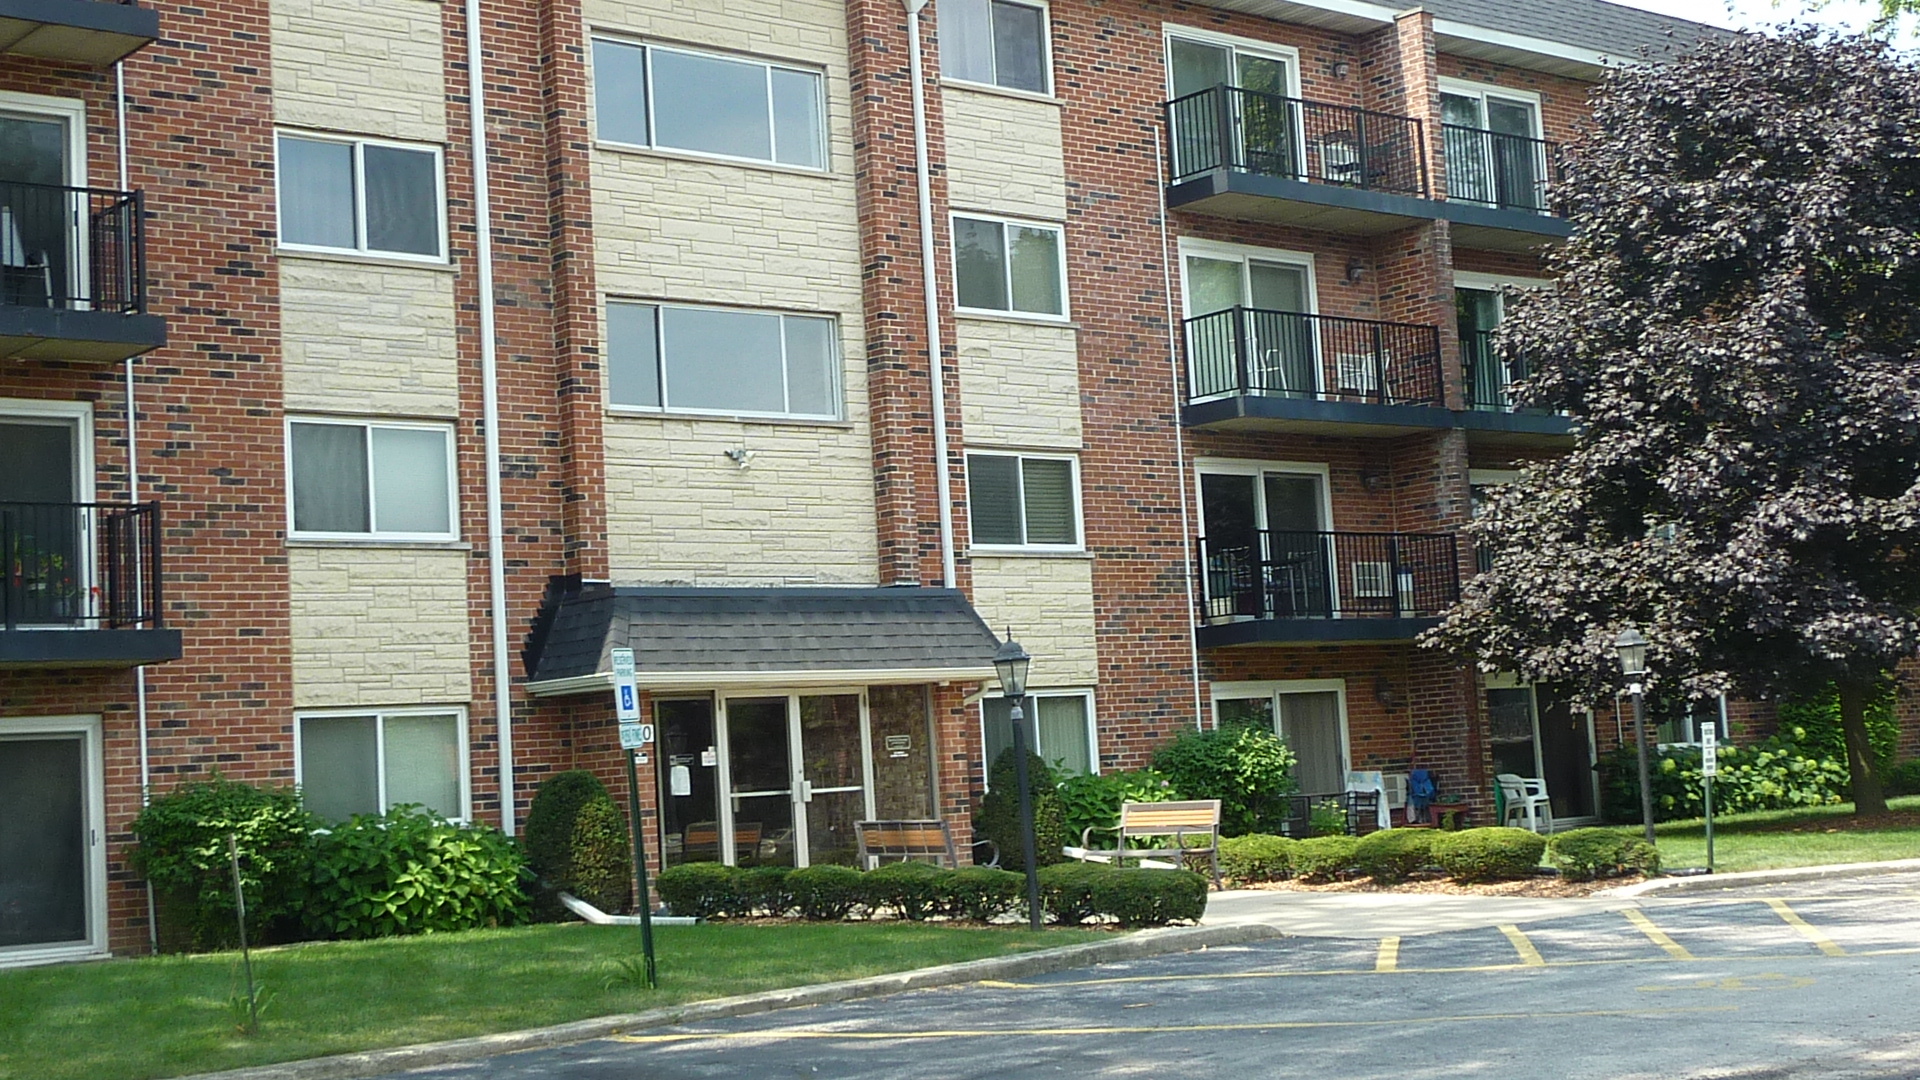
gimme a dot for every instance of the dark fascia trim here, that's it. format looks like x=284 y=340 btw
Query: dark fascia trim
x=1262 y=407
x=1239 y=182
x=135 y=333
x=1309 y=631
x=836 y=592
x=1514 y=423
x=1545 y=226
x=140 y=25
x=88 y=648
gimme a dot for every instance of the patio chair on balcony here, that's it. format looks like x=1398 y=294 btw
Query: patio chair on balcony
x=1524 y=798
x=20 y=268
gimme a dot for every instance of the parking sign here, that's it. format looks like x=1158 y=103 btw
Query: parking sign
x=626 y=697
x=1709 y=752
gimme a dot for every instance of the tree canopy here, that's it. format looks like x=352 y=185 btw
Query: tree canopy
x=1736 y=334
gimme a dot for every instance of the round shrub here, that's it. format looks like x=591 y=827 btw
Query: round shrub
x=601 y=863
x=1391 y=856
x=827 y=892
x=1320 y=859
x=915 y=890
x=411 y=872
x=983 y=893
x=1246 y=767
x=1256 y=857
x=997 y=818
x=704 y=890
x=763 y=891
x=1586 y=854
x=1488 y=854
x=548 y=836
x=1135 y=896
x=1066 y=891
x=1093 y=801
x=181 y=847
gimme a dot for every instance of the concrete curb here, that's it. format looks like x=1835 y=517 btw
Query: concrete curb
x=1717 y=882
x=420 y=1055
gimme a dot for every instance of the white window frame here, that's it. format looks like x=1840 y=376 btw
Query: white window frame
x=94 y=807
x=1010 y=312
x=1482 y=91
x=1271 y=689
x=79 y=414
x=380 y=716
x=648 y=48
x=1258 y=469
x=1046 y=54
x=1623 y=707
x=72 y=113
x=1245 y=254
x=836 y=364
x=1079 y=523
x=1093 y=727
x=358 y=143
x=1270 y=50
x=368 y=424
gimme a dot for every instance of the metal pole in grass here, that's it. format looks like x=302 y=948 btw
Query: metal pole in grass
x=640 y=867
x=1011 y=662
x=1709 y=768
x=240 y=916
x=634 y=737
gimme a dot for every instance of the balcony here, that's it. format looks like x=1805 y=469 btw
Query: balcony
x=81 y=586
x=1498 y=188
x=1282 y=587
x=1257 y=156
x=1491 y=416
x=1254 y=370
x=73 y=275
x=93 y=32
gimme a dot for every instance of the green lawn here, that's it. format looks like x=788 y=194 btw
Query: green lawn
x=169 y=1016
x=1772 y=839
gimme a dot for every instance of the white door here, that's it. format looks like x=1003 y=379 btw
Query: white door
x=45 y=537
x=52 y=864
x=42 y=217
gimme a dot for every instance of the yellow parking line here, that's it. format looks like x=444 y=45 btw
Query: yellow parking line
x=1529 y=955
x=1656 y=935
x=1389 y=959
x=1792 y=918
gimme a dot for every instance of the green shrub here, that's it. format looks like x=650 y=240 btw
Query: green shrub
x=983 y=893
x=1586 y=854
x=827 y=892
x=705 y=890
x=548 y=836
x=1093 y=801
x=763 y=890
x=998 y=816
x=1904 y=778
x=1066 y=891
x=914 y=890
x=602 y=863
x=1777 y=774
x=1245 y=766
x=1256 y=857
x=1320 y=859
x=181 y=847
x=1327 y=818
x=411 y=872
x=1391 y=856
x=1814 y=720
x=1076 y=892
x=1488 y=854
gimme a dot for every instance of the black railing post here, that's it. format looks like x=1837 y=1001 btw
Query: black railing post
x=1400 y=609
x=1366 y=162
x=1243 y=368
x=156 y=617
x=8 y=568
x=1420 y=155
x=1226 y=137
x=1379 y=366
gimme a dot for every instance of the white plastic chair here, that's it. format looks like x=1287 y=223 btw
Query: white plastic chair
x=1525 y=797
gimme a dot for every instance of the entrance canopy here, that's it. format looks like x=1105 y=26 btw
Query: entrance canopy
x=701 y=638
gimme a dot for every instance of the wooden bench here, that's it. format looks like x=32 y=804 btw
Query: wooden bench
x=905 y=841
x=1193 y=825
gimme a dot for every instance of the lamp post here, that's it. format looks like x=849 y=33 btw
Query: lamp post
x=1632 y=647
x=1011 y=661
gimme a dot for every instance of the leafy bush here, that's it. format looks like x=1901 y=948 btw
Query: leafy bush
x=827 y=892
x=1256 y=857
x=1488 y=854
x=601 y=861
x=1815 y=721
x=1320 y=859
x=1245 y=766
x=548 y=837
x=181 y=847
x=1777 y=774
x=1904 y=778
x=915 y=890
x=983 y=893
x=1093 y=801
x=1327 y=818
x=1586 y=854
x=1076 y=892
x=1391 y=856
x=411 y=872
x=763 y=890
x=998 y=816
x=704 y=890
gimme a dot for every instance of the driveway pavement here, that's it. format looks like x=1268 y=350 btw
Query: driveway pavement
x=1802 y=980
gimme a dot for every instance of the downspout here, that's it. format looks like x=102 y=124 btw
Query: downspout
x=490 y=413
x=936 y=365
x=1179 y=434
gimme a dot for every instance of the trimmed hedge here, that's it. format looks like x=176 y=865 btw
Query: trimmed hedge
x=763 y=890
x=704 y=890
x=1075 y=893
x=827 y=892
x=1256 y=857
x=1391 y=856
x=601 y=862
x=1320 y=859
x=1488 y=854
x=983 y=893
x=914 y=890
x=1586 y=854
x=997 y=817
x=548 y=836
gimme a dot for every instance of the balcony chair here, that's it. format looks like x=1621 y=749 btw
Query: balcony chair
x=1523 y=797
x=17 y=264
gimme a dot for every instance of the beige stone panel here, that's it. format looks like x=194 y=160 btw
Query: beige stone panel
x=680 y=511
x=1019 y=383
x=370 y=67
x=379 y=626
x=365 y=338
x=1048 y=601
x=1004 y=154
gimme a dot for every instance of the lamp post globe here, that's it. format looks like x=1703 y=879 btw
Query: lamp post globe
x=1632 y=647
x=1010 y=663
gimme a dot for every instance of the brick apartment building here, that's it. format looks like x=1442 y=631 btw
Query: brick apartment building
x=311 y=477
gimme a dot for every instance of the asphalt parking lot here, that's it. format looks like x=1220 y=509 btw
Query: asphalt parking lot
x=1785 y=981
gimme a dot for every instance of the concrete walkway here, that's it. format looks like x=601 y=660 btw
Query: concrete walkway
x=1375 y=915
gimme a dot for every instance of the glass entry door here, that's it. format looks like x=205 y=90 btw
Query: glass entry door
x=1279 y=332
x=42 y=531
x=1268 y=554
x=38 y=223
x=833 y=780
x=798 y=776
x=48 y=877
x=760 y=783
x=1537 y=733
x=1265 y=118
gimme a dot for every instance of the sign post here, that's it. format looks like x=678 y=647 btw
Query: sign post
x=634 y=737
x=1709 y=768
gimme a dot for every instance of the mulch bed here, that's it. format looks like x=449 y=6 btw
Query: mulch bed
x=1893 y=819
x=1544 y=885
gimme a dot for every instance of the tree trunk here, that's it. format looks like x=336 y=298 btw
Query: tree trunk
x=1868 y=797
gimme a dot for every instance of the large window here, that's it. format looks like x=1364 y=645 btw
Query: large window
x=357 y=195
x=1492 y=142
x=1023 y=501
x=651 y=95
x=1059 y=727
x=702 y=359
x=368 y=762
x=355 y=479
x=1682 y=722
x=1013 y=266
x=1309 y=715
x=996 y=42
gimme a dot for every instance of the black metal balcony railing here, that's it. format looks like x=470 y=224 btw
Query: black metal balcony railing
x=1292 y=354
x=80 y=566
x=1508 y=172
x=81 y=249
x=1231 y=128
x=1488 y=380
x=1322 y=575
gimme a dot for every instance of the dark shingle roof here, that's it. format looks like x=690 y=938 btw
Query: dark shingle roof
x=1613 y=29
x=748 y=630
